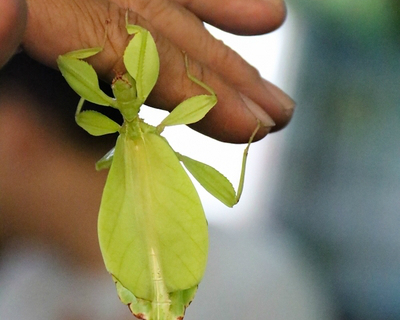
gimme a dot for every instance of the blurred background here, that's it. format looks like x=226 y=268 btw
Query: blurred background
x=315 y=235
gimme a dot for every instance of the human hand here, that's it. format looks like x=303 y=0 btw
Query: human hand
x=56 y=27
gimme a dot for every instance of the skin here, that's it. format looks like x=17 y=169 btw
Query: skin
x=56 y=27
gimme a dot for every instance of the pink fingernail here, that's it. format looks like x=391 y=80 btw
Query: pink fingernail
x=258 y=112
x=287 y=102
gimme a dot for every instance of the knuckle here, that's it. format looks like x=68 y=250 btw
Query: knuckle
x=221 y=57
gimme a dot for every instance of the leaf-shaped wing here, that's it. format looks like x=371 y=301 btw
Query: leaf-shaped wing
x=150 y=211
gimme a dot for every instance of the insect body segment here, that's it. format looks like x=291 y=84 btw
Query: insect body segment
x=152 y=228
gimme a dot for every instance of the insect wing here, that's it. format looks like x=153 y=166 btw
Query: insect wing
x=151 y=210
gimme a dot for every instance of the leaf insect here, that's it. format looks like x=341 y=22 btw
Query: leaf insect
x=152 y=228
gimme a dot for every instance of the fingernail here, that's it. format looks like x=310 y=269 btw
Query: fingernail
x=258 y=112
x=287 y=102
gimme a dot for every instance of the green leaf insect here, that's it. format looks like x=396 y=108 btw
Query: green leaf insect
x=152 y=228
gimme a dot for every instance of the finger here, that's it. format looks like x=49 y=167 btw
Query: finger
x=187 y=32
x=244 y=17
x=12 y=27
